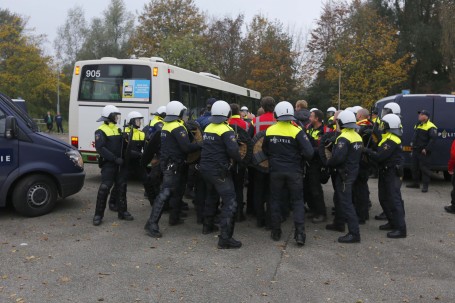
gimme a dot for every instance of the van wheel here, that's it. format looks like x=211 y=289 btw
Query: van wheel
x=447 y=176
x=35 y=195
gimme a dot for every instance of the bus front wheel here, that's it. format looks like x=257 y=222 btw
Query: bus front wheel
x=35 y=195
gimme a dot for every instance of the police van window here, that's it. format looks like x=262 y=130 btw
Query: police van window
x=115 y=82
x=2 y=123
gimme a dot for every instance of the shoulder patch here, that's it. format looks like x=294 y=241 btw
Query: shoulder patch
x=183 y=133
x=386 y=146
x=97 y=136
x=340 y=144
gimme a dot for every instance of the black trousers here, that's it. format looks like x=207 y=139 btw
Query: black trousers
x=220 y=186
x=361 y=193
x=420 y=163
x=345 y=210
x=314 y=196
x=152 y=182
x=293 y=184
x=389 y=190
x=238 y=177
x=172 y=191
x=109 y=176
x=262 y=196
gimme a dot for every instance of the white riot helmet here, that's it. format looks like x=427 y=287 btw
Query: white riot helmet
x=313 y=109
x=331 y=111
x=110 y=113
x=221 y=111
x=392 y=124
x=346 y=119
x=284 y=111
x=134 y=118
x=160 y=111
x=356 y=108
x=391 y=108
x=244 y=109
x=174 y=111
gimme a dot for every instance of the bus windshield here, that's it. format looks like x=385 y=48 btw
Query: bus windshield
x=115 y=82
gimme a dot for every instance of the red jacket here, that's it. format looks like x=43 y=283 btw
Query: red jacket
x=451 y=164
x=235 y=119
x=263 y=122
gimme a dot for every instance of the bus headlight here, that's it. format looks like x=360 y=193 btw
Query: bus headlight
x=76 y=157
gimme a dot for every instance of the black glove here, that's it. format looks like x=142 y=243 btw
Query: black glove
x=119 y=161
x=368 y=131
x=367 y=151
x=329 y=141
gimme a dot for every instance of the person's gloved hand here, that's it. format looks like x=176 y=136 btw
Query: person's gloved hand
x=119 y=161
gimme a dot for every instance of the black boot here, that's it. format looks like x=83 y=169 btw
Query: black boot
x=123 y=213
x=299 y=234
x=101 y=200
x=387 y=226
x=275 y=234
x=208 y=226
x=113 y=200
x=152 y=228
x=225 y=240
x=349 y=238
x=97 y=220
x=395 y=234
x=335 y=227
x=381 y=217
x=125 y=216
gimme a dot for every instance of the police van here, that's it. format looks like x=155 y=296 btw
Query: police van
x=35 y=168
x=442 y=109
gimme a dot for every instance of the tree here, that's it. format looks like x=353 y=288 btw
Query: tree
x=366 y=56
x=163 y=19
x=223 y=47
x=24 y=71
x=71 y=36
x=110 y=35
x=268 y=59
x=447 y=21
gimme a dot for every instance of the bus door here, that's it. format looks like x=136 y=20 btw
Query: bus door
x=189 y=97
x=9 y=152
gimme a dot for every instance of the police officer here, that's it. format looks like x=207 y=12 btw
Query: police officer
x=175 y=145
x=390 y=159
x=345 y=160
x=219 y=146
x=361 y=192
x=132 y=150
x=108 y=144
x=313 y=188
x=425 y=134
x=330 y=124
x=152 y=180
x=285 y=144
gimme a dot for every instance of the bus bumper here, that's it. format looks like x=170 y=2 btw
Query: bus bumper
x=71 y=183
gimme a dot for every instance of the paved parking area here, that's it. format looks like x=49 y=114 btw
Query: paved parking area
x=62 y=257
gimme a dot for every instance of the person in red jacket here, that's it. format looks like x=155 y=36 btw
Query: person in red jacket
x=261 y=187
x=238 y=170
x=451 y=166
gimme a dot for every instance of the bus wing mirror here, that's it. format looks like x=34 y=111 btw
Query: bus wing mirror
x=10 y=127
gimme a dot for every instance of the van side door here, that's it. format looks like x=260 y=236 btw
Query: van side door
x=9 y=151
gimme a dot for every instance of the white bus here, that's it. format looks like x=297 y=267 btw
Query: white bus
x=142 y=85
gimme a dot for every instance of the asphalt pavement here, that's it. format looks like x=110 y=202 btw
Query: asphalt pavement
x=62 y=257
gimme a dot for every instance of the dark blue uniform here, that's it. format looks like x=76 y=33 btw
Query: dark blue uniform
x=390 y=159
x=152 y=180
x=285 y=144
x=218 y=148
x=175 y=145
x=108 y=144
x=345 y=160
x=314 y=195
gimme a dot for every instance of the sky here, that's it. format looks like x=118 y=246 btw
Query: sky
x=45 y=16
